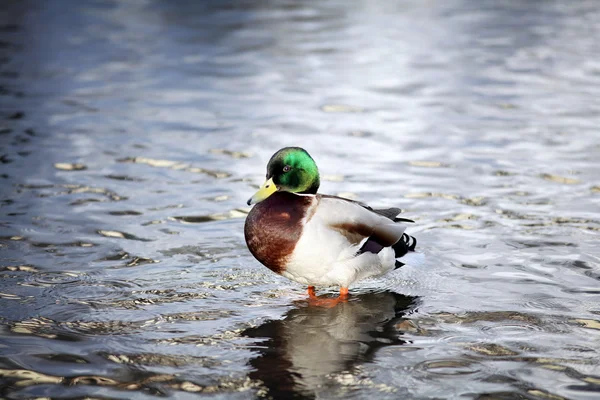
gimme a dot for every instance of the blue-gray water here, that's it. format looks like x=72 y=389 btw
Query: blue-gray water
x=132 y=132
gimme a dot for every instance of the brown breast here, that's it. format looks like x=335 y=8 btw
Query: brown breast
x=274 y=226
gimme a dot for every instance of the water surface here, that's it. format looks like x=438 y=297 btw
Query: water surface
x=131 y=134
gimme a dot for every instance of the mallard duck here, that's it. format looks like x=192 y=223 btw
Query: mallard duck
x=317 y=239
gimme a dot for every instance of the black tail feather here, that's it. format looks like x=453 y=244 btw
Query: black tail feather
x=404 y=245
x=411 y=240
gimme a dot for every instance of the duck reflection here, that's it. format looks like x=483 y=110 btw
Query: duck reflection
x=313 y=341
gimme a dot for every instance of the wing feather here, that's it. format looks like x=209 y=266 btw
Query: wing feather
x=355 y=220
x=391 y=213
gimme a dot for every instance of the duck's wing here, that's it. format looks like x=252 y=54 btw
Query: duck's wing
x=357 y=220
x=390 y=213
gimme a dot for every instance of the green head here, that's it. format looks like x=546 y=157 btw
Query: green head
x=291 y=169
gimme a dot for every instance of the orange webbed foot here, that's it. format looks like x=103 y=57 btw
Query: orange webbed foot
x=328 y=302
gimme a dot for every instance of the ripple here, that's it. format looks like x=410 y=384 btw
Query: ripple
x=49 y=279
x=583 y=290
x=41 y=327
x=220 y=198
x=428 y=164
x=164 y=360
x=136 y=260
x=593 y=274
x=560 y=179
x=28 y=377
x=46 y=245
x=231 y=153
x=125 y=212
x=70 y=166
x=188 y=250
x=77 y=189
x=130 y=261
x=341 y=108
x=489 y=316
x=538 y=243
x=124 y=178
x=138 y=299
x=423 y=195
x=588 y=323
x=16 y=115
x=460 y=217
x=73 y=189
x=166 y=207
x=547 y=303
x=84 y=201
x=475 y=201
x=10 y=296
x=543 y=394
x=121 y=235
x=175 y=165
x=13 y=238
x=110 y=327
x=196 y=219
x=222 y=339
x=363 y=134
x=449 y=367
x=95 y=293
x=21 y=268
x=491 y=349
x=148 y=382
x=511 y=330
x=332 y=178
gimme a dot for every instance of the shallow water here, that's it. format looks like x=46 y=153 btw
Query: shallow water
x=133 y=132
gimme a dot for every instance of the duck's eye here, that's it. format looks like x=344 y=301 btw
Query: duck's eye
x=286 y=168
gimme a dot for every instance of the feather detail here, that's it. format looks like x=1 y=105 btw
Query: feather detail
x=352 y=217
x=390 y=213
x=274 y=226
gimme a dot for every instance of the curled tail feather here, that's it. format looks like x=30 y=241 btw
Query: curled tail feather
x=404 y=245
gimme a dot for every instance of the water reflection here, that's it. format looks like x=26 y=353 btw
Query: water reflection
x=302 y=350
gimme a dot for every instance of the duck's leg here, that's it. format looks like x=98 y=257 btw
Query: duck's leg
x=326 y=301
x=343 y=293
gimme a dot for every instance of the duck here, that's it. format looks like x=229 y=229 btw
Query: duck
x=320 y=240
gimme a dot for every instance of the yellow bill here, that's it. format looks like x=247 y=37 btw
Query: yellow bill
x=267 y=189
